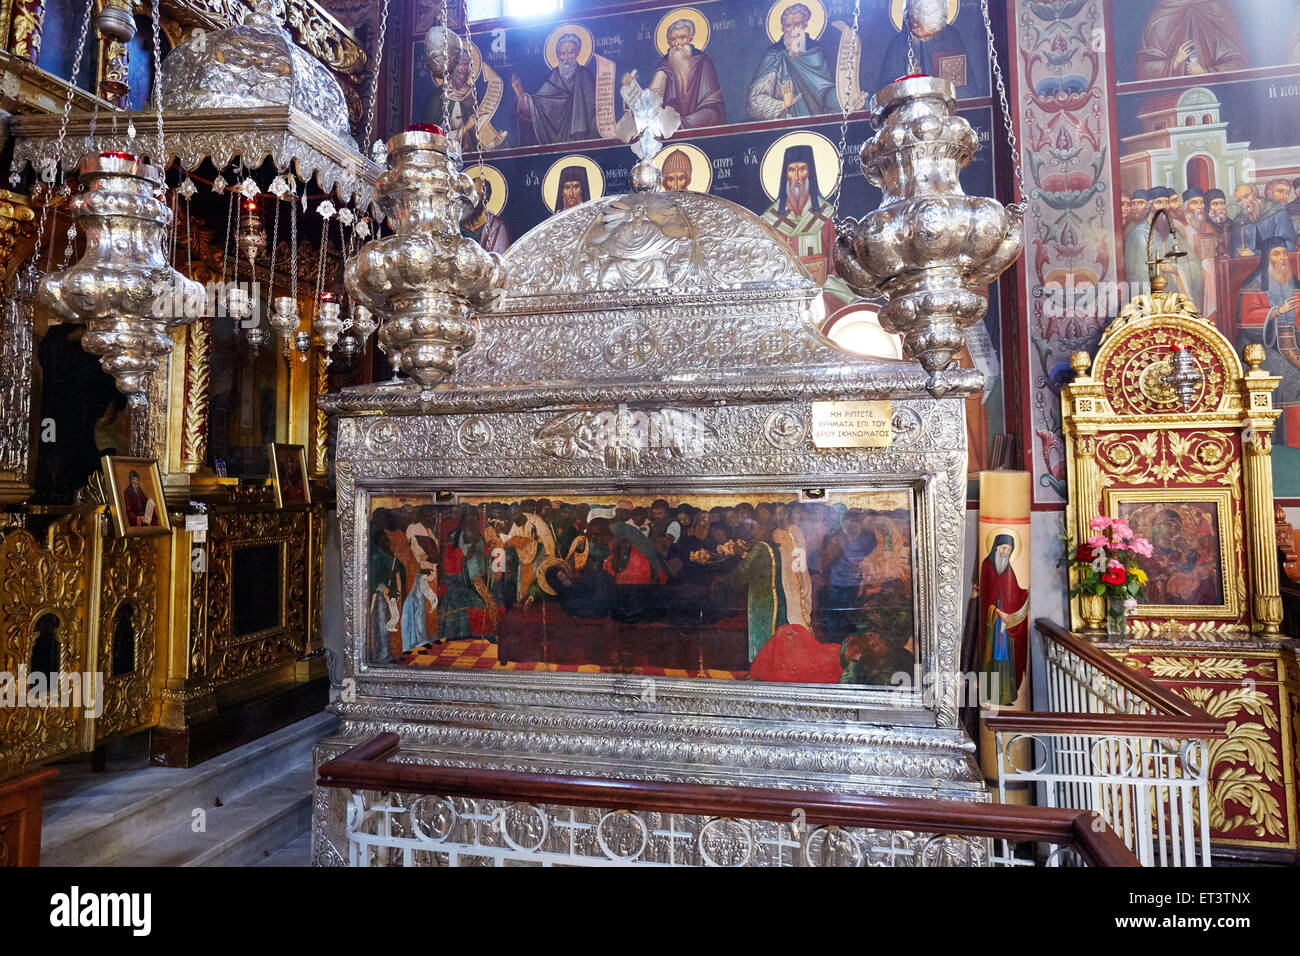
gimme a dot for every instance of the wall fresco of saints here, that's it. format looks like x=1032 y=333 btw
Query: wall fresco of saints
x=764 y=586
x=1205 y=96
x=538 y=108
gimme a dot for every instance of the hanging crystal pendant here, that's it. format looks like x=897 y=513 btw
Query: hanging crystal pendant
x=426 y=280
x=122 y=288
x=930 y=249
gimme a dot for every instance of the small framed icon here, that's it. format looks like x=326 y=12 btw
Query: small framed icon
x=289 y=474
x=136 y=493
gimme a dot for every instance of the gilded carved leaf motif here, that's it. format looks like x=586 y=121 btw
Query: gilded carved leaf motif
x=1232 y=668
x=1245 y=766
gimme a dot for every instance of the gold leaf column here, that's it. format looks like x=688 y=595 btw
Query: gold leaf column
x=1088 y=397
x=194 y=421
x=319 y=420
x=1261 y=535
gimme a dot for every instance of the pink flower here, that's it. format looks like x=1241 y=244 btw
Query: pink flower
x=1099 y=523
x=1141 y=546
x=1131 y=603
x=1121 y=530
x=1099 y=541
x=1116 y=564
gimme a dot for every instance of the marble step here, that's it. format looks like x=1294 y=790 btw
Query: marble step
x=93 y=818
x=240 y=832
x=297 y=852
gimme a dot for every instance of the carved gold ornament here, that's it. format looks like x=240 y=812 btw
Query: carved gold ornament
x=1242 y=766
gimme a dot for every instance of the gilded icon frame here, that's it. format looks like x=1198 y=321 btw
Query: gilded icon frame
x=117 y=491
x=273 y=450
x=1232 y=580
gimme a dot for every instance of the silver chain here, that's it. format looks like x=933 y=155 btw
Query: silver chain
x=293 y=247
x=225 y=252
x=844 y=121
x=473 y=88
x=374 y=80
x=912 y=68
x=446 y=80
x=239 y=210
x=275 y=241
x=175 y=227
x=320 y=270
x=63 y=132
x=1003 y=99
x=161 y=161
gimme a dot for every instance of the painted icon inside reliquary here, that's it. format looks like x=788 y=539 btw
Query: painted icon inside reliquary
x=760 y=585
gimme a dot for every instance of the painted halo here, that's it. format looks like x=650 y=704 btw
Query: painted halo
x=896 y=12
x=701 y=168
x=992 y=533
x=492 y=176
x=825 y=156
x=816 y=22
x=699 y=20
x=551 y=181
x=585 y=48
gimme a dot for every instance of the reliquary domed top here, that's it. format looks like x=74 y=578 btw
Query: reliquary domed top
x=251 y=64
x=638 y=248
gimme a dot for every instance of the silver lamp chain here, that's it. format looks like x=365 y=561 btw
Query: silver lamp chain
x=912 y=68
x=473 y=92
x=63 y=132
x=374 y=79
x=293 y=246
x=996 y=67
x=161 y=161
x=446 y=80
x=275 y=246
x=844 y=122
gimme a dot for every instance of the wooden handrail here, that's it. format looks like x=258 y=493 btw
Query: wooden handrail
x=1177 y=719
x=366 y=767
x=1108 y=725
x=1169 y=702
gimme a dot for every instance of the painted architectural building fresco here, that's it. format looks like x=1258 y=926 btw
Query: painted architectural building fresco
x=1191 y=109
x=537 y=105
x=760 y=586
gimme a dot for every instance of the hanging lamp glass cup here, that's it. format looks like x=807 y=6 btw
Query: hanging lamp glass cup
x=238 y=303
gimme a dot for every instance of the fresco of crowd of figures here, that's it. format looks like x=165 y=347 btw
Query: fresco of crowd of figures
x=1186 y=105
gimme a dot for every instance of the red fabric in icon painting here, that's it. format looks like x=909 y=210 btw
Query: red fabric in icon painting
x=794 y=655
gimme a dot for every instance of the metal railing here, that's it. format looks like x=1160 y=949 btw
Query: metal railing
x=1116 y=743
x=414 y=814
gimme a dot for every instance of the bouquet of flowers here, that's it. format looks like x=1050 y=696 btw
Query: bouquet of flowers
x=1106 y=566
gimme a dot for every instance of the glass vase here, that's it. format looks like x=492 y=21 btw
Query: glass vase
x=1116 y=617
